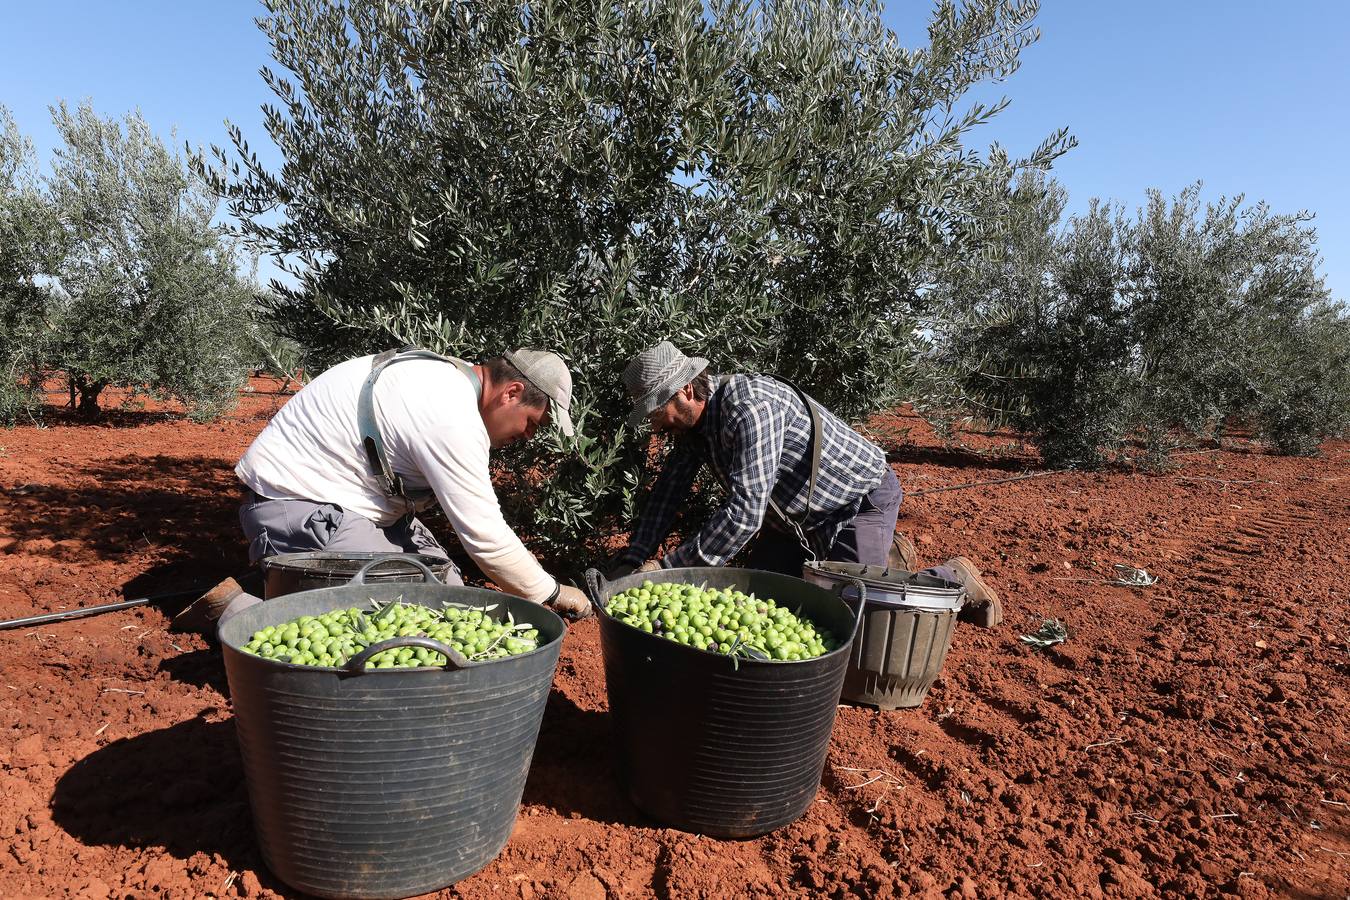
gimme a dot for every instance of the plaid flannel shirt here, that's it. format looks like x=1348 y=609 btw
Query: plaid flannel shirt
x=756 y=436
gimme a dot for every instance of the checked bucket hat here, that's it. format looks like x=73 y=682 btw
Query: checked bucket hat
x=654 y=375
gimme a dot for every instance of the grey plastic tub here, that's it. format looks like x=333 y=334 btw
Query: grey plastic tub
x=712 y=745
x=906 y=631
x=386 y=783
x=287 y=573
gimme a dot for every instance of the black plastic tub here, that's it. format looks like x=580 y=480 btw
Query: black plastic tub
x=715 y=745
x=287 y=573
x=386 y=783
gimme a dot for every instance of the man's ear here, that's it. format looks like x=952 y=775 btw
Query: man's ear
x=687 y=392
x=513 y=391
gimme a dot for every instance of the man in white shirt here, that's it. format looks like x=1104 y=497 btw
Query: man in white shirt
x=349 y=461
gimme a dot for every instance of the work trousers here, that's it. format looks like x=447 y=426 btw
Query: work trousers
x=865 y=539
x=298 y=526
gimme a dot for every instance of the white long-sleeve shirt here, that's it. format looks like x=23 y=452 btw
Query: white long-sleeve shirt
x=434 y=436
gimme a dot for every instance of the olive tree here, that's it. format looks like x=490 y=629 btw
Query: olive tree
x=1234 y=325
x=1041 y=333
x=771 y=185
x=1100 y=333
x=146 y=294
x=27 y=240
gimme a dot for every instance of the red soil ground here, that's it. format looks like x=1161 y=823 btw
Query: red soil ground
x=1190 y=739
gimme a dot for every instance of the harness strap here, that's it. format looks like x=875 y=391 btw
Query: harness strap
x=372 y=440
x=817 y=440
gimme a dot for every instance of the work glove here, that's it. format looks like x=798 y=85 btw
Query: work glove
x=618 y=571
x=623 y=569
x=571 y=602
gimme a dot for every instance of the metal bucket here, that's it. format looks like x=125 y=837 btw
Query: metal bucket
x=386 y=783
x=907 y=627
x=711 y=744
x=287 y=573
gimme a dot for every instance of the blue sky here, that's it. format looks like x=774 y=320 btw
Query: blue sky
x=1246 y=95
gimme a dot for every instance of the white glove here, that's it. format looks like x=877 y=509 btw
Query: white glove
x=571 y=602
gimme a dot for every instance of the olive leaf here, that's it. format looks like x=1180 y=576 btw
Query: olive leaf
x=1051 y=632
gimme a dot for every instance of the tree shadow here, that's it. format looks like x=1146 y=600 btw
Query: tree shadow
x=573 y=771
x=962 y=458
x=107 y=417
x=184 y=508
x=180 y=788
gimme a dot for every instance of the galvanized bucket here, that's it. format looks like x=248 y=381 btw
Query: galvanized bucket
x=906 y=631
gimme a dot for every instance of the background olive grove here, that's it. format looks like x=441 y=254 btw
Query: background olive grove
x=112 y=273
x=778 y=186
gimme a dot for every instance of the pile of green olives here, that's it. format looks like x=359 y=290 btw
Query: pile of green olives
x=721 y=621
x=335 y=637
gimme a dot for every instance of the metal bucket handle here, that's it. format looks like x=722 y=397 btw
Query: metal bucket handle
x=860 y=610
x=428 y=576
x=454 y=659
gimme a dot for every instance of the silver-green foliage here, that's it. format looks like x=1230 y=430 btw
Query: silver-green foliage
x=1034 y=333
x=146 y=294
x=1234 y=325
x=770 y=185
x=1100 y=331
x=27 y=232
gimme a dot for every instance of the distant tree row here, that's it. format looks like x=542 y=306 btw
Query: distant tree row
x=112 y=273
x=777 y=185
x=1108 y=335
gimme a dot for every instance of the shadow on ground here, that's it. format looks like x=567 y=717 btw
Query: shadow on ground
x=185 y=508
x=961 y=458
x=573 y=771
x=200 y=668
x=180 y=788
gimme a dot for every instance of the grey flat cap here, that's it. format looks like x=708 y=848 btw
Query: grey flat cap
x=548 y=372
x=654 y=375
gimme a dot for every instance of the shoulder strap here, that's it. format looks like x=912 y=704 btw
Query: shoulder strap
x=817 y=440
x=371 y=439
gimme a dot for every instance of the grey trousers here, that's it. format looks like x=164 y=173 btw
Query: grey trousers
x=865 y=539
x=297 y=526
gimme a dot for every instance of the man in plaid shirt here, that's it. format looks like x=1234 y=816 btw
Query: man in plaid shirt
x=755 y=433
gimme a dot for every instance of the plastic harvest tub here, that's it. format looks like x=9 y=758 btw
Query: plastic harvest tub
x=287 y=573
x=386 y=783
x=715 y=745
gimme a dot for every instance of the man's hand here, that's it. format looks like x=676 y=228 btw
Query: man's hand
x=624 y=569
x=572 y=602
x=619 y=571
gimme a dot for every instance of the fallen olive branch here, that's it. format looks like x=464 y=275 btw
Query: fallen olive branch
x=1051 y=632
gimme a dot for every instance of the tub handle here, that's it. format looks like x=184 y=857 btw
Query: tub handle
x=860 y=610
x=454 y=659
x=596 y=583
x=428 y=576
